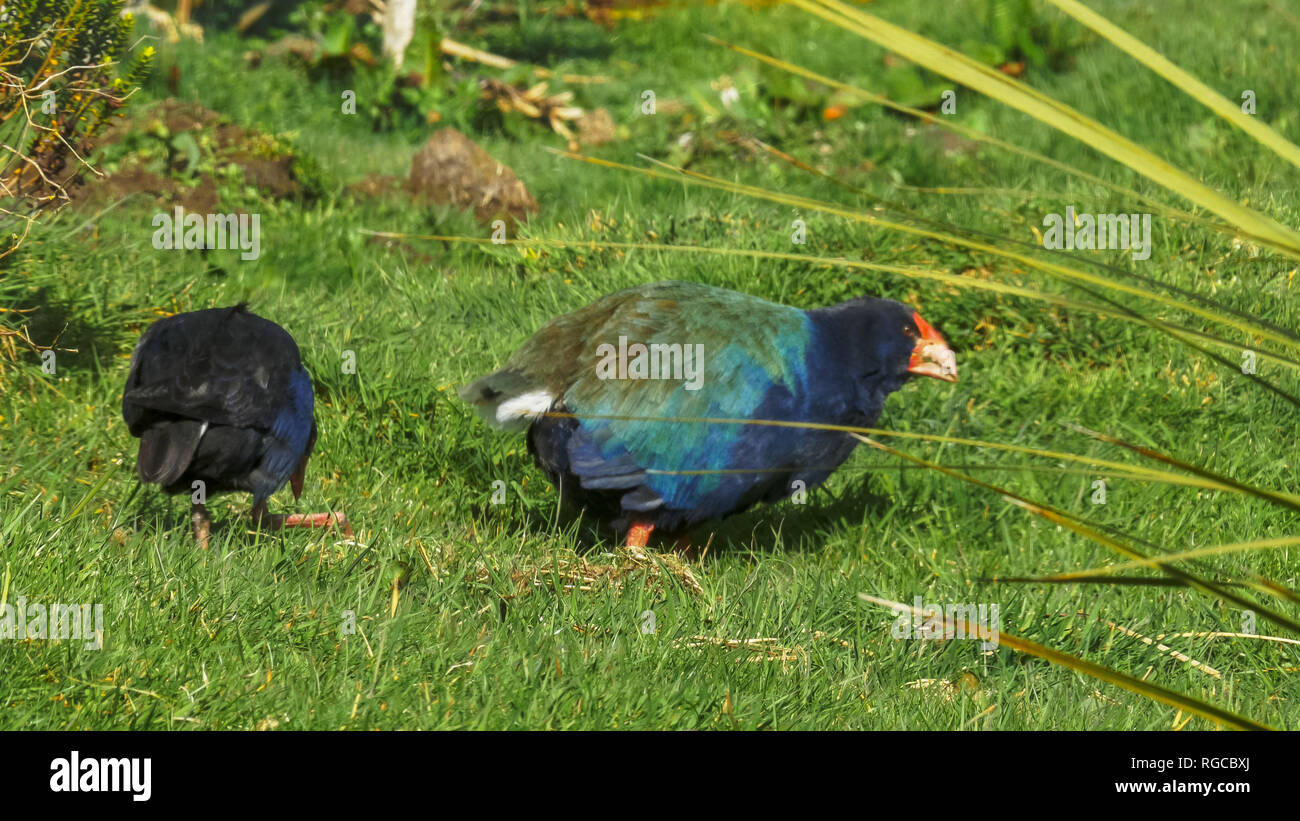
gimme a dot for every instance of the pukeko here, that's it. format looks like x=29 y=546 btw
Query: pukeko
x=221 y=402
x=678 y=350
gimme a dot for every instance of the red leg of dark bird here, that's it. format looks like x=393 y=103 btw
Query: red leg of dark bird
x=202 y=525
x=639 y=534
x=275 y=521
x=319 y=520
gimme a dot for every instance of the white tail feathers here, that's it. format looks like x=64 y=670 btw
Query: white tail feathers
x=517 y=412
x=508 y=400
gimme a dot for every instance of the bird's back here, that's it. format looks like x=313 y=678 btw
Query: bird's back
x=224 y=366
x=221 y=395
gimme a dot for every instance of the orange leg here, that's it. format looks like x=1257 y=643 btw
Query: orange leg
x=639 y=534
x=275 y=521
x=338 y=520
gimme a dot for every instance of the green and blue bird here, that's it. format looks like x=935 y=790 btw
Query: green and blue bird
x=607 y=394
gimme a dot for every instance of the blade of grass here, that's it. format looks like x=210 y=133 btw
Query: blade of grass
x=1165 y=649
x=1189 y=85
x=1001 y=87
x=1134 y=581
x=1259 y=583
x=90 y=494
x=1254 y=378
x=1283 y=499
x=862 y=432
x=1184 y=555
x=976 y=136
x=1077 y=525
x=1060 y=272
x=1093 y=670
x=1076 y=275
x=1086 y=260
x=1110 y=474
x=954 y=280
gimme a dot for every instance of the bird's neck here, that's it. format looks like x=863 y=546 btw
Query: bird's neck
x=843 y=365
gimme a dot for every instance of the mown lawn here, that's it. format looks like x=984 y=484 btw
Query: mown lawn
x=471 y=614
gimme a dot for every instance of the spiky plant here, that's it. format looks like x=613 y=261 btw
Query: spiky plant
x=61 y=80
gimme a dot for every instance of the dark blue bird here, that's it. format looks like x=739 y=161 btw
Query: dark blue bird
x=221 y=402
x=587 y=382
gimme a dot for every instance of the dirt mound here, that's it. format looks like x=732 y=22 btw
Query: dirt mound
x=454 y=170
x=157 y=164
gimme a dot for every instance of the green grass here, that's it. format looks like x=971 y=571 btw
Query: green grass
x=249 y=633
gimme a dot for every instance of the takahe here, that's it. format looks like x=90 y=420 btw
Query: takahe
x=221 y=402
x=584 y=385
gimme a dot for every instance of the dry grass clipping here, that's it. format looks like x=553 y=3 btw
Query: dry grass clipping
x=579 y=574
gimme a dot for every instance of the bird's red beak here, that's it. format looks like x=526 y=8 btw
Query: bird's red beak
x=932 y=356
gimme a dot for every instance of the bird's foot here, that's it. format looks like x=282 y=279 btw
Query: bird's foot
x=638 y=535
x=202 y=525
